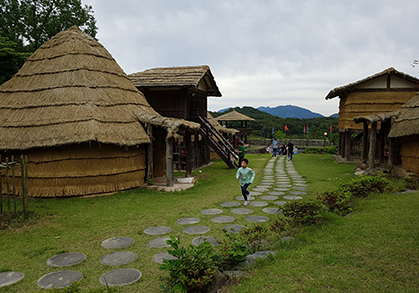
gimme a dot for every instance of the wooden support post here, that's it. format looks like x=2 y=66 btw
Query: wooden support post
x=150 y=167
x=14 y=184
x=1 y=191
x=381 y=144
x=365 y=143
x=348 y=145
x=22 y=179
x=341 y=145
x=7 y=184
x=26 y=184
x=188 y=142
x=391 y=154
x=169 y=162
x=373 y=141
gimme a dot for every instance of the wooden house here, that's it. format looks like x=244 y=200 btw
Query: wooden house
x=182 y=92
x=380 y=93
x=79 y=119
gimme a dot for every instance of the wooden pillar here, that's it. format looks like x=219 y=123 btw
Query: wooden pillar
x=188 y=142
x=347 y=145
x=169 y=162
x=365 y=143
x=373 y=141
x=390 y=154
x=150 y=153
x=381 y=144
x=341 y=146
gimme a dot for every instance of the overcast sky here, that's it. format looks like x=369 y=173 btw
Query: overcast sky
x=264 y=52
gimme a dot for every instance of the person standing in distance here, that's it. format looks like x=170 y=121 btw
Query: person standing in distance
x=246 y=176
x=241 y=153
x=274 y=147
x=290 y=148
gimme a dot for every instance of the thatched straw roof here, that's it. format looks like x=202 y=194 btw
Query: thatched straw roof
x=377 y=117
x=177 y=77
x=408 y=121
x=220 y=128
x=349 y=87
x=234 y=116
x=71 y=91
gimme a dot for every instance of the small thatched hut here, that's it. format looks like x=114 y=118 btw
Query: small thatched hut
x=228 y=133
x=383 y=92
x=244 y=131
x=406 y=128
x=72 y=110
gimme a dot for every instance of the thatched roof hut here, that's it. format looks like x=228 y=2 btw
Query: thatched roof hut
x=234 y=116
x=76 y=114
x=220 y=128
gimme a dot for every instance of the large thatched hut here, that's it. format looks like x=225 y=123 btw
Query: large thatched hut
x=380 y=93
x=72 y=110
x=406 y=128
x=233 y=115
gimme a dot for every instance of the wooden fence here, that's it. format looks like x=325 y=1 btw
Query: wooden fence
x=13 y=172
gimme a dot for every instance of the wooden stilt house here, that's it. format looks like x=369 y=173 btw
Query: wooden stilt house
x=244 y=131
x=72 y=110
x=182 y=92
x=380 y=93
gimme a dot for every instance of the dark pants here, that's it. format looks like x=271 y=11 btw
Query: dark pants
x=240 y=161
x=244 y=190
x=274 y=150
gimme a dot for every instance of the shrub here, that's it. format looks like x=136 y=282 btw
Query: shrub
x=362 y=186
x=338 y=201
x=412 y=182
x=323 y=150
x=232 y=251
x=303 y=211
x=254 y=237
x=281 y=225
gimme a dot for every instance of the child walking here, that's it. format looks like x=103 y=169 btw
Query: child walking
x=246 y=176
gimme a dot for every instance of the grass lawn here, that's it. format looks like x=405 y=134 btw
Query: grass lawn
x=375 y=249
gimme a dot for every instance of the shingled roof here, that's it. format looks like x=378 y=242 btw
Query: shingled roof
x=177 y=77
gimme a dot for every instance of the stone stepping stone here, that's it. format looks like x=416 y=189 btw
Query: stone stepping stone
x=118 y=258
x=287 y=239
x=272 y=211
x=159 y=242
x=120 y=277
x=292 y=197
x=279 y=185
x=282 y=180
x=268 y=177
x=230 y=204
x=234 y=228
x=300 y=184
x=159 y=257
x=260 y=189
x=242 y=211
x=255 y=193
x=270 y=197
x=276 y=193
x=298 y=193
x=223 y=219
x=258 y=204
x=281 y=189
x=211 y=211
x=201 y=239
x=187 y=221
x=265 y=185
x=267 y=181
x=240 y=197
x=117 y=242
x=280 y=203
x=196 y=230
x=66 y=259
x=257 y=219
x=60 y=279
x=234 y=274
x=9 y=278
x=300 y=188
x=157 y=230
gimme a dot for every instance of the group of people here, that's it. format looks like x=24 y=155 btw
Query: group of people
x=283 y=150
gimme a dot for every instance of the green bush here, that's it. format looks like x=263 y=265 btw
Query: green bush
x=362 y=186
x=323 y=150
x=254 y=237
x=232 y=251
x=338 y=201
x=412 y=182
x=304 y=212
x=281 y=225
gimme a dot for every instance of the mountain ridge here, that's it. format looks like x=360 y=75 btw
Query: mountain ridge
x=287 y=111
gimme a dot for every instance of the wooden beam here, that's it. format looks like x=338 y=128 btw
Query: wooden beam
x=390 y=153
x=347 y=145
x=381 y=144
x=169 y=162
x=373 y=141
x=365 y=144
x=188 y=142
x=150 y=152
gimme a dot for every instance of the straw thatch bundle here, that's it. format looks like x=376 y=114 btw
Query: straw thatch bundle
x=220 y=128
x=377 y=117
x=408 y=121
x=234 y=116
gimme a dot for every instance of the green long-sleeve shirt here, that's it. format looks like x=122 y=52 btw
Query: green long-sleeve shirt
x=247 y=175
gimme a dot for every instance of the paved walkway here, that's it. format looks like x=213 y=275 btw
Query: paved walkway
x=280 y=183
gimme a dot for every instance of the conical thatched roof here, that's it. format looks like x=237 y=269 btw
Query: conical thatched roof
x=220 y=128
x=70 y=91
x=234 y=116
x=408 y=121
x=177 y=77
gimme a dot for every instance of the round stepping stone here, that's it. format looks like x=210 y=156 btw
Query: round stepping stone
x=230 y=204
x=279 y=185
x=233 y=228
x=292 y=197
x=118 y=258
x=272 y=211
x=257 y=219
x=9 y=278
x=301 y=184
x=258 y=203
x=159 y=257
x=281 y=189
x=120 y=277
x=267 y=181
x=201 y=239
x=240 y=197
x=300 y=188
x=255 y=193
x=276 y=193
x=66 y=259
x=223 y=219
x=211 y=211
x=117 y=242
x=60 y=279
x=196 y=230
x=159 y=242
x=242 y=211
x=280 y=203
x=271 y=197
x=265 y=186
x=298 y=192
x=260 y=189
x=267 y=177
x=187 y=221
x=157 y=230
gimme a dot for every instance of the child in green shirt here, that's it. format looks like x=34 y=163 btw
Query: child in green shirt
x=246 y=176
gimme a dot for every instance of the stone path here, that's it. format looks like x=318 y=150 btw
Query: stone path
x=280 y=183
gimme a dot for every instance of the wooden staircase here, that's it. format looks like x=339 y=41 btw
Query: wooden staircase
x=218 y=143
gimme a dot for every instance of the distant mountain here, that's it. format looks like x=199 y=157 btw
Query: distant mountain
x=223 y=110
x=336 y=115
x=290 y=111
